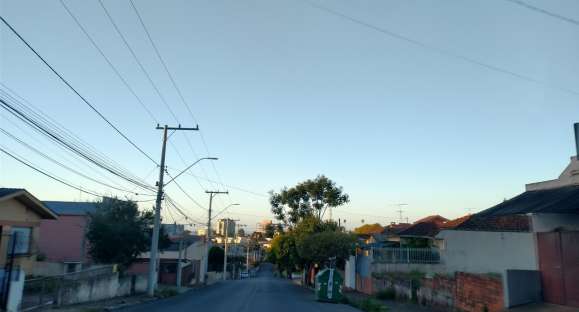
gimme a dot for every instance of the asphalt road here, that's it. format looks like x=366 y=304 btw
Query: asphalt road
x=263 y=293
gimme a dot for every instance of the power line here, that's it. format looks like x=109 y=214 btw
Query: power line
x=63 y=165
x=76 y=92
x=178 y=90
x=17 y=158
x=58 y=128
x=117 y=72
x=438 y=50
x=108 y=61
x=146 y=73
x=38 y=126
x=543 y=11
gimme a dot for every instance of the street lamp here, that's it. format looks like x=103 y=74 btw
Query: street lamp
x=193 y=164
x=223 y=210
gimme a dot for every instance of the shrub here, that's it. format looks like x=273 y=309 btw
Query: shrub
x=167 y=292
x=386 y=294
x=369 y=305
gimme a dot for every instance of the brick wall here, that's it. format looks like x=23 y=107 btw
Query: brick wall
x=477 y=292
x=437 y=291
x=462 y=291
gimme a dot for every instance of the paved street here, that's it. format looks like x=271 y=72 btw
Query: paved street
x=261 y=294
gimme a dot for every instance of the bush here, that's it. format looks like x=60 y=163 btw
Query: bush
x=166 y=292
x=386 y=294
x=369 y=305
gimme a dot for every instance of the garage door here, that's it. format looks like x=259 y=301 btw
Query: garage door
x=559 y=265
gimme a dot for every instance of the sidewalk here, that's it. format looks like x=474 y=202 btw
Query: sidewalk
x=543 y=307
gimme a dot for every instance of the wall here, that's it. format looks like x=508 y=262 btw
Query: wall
x=62 y=240
x=429 y=269
x=100 y=287
x=549 y=222
x=475 y=293
x=16 y=214
x=487 y=252
x=461 y=291
x=522 y=287
x=48 y=268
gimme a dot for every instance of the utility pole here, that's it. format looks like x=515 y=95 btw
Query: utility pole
x=226 y=241
x=152 y=279
x=208 y=234
x=179 y=264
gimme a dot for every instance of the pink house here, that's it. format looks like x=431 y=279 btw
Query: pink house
x=63 y=241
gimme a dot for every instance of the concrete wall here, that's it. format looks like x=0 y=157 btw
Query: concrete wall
x=545 y=222
x=100 y=287
x=48 y=268
x=63 y=240
x=522 y=287
x=428 y=269
x=487 y=252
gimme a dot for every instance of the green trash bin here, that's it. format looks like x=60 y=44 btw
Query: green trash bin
x=329 y=286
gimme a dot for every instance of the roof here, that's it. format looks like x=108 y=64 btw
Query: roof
x=558 y=200
x=71 y=208
x=396 y=228
x=456 y=222
x=9 y=191
x=27 y=199
x=434 y=218
x=187 y=241
x=422 y=229
x=512 y=223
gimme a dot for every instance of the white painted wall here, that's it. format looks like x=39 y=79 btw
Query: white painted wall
x=487 y=252
x=350 y=274
x=545 y=222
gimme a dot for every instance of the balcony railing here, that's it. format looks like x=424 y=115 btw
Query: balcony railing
x=406 y=255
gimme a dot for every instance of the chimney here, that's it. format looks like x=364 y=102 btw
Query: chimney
x=577 y=139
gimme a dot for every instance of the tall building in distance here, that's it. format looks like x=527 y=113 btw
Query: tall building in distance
x=226 y=225
x=262 y=225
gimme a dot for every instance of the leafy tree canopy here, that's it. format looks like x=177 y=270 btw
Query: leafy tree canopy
x=118 y=232
x=215 y=259
x=375 y=228
x=306 y=199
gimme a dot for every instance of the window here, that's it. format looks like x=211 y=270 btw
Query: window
x=22 y=235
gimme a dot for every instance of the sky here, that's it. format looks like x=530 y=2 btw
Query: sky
x=466 y=103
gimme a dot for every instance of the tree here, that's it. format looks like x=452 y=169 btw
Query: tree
x=306 y=199
x=215 y=259
x=269 y=231
x=241 y=232
x=375 y=228
x=118 y=232
x=319 y=247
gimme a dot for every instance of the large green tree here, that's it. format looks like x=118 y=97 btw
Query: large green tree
x=307 y=199
x=118 y=232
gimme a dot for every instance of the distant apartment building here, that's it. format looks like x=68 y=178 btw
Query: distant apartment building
x=261 y=226
x=226 y=227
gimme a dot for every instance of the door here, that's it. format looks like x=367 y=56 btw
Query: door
x=570 y=252
x=551 y=267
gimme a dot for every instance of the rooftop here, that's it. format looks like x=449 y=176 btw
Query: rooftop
x=557 y=200
x=71 y=208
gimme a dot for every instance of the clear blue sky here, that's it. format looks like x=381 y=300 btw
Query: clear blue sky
x=284 y=92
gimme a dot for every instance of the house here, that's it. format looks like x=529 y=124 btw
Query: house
x=20 y=216
x=192 y=255
x=421 y=234
x=534 y=236
x=63 y=243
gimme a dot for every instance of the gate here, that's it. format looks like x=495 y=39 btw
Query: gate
x=559 y=266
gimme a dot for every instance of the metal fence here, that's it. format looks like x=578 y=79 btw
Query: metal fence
x=406 y=255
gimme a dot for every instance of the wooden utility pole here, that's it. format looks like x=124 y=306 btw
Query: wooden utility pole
x=152 y=278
